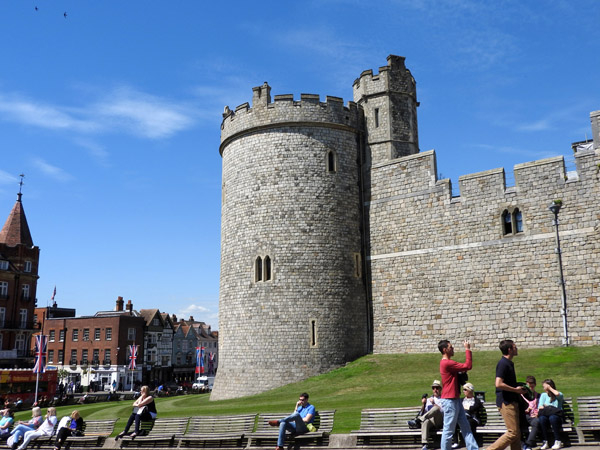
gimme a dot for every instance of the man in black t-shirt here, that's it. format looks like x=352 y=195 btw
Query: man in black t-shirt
x=507 y=397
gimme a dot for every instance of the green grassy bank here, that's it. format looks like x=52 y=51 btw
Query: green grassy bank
x=378 y=381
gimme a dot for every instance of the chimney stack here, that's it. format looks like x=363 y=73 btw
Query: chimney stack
x=119 y=306
x=129 y=306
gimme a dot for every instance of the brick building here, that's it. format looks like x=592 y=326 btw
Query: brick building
x=94 y=349
x=19 y=259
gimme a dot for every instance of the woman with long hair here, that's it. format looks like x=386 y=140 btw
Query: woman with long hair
x=22 y=427
x=550 y=414
x=144 y=409
x=45 y=429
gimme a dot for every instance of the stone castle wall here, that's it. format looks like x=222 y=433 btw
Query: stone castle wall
x=281 y=201
x=442 y=267
x=318 y=187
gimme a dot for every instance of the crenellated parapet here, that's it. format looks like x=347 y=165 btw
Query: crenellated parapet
x=393 y=77
x=284 y=111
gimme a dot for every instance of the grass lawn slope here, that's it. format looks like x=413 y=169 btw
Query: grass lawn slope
x=377 y=381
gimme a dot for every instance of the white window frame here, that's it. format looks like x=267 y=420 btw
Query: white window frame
x=131 y=334
x=2 y=316
x=4 y=264
x=26 y=291
x=52 y=336
x=27 y=267
x=75 y=335
x=23 y=317
x=108 y=334
x=61 y=335
x=4 y=288
x=97 y=334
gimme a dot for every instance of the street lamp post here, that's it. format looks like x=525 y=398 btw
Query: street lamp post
x=555 y=208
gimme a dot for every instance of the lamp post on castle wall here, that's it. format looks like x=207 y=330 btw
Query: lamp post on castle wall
x=555 y=208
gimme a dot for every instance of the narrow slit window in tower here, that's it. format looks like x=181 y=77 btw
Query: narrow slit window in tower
x=507 y=222
x=357 y=265
x=331 y=161
x=267 y=268
x=376 y=117
x=313 y=332
x=258 y=270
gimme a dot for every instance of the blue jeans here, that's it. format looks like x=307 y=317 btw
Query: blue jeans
x=455 y=413
x=20 y=430
x=554 y=422
x=292 y=423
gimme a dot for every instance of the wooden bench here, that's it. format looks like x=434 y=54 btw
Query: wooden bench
x=95 y=433
x=217 y=431
x=589 y=418
x=495 y=427
x=388 y=427
x=164 y=433
x=323 y=421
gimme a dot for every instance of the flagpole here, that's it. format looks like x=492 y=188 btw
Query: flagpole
x=37 y=382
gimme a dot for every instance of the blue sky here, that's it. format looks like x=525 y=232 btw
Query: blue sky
x=113 y=114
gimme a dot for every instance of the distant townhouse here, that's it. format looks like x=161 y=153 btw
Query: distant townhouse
x=158 y=345
x=209 y=340
x=19 y=259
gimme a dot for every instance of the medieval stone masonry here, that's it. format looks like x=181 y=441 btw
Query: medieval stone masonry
x=338 y=239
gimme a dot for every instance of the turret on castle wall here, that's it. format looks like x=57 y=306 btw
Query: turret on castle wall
x=389 y=101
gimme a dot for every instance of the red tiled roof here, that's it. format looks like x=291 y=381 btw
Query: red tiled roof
x=16 y=230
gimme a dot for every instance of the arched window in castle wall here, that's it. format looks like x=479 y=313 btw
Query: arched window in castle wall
x=518 y=220
x=258 y=269
x=512 y=221
x=331 y=161
x=267 y=268
x=507 y=222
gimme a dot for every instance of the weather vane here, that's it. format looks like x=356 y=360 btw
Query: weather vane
x=21 y=182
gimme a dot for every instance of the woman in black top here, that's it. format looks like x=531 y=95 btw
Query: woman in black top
x=144 y=408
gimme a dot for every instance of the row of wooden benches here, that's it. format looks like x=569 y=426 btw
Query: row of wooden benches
x=233 y=431
x=388 y=427
x=383 y=427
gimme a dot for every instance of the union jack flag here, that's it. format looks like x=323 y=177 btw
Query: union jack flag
x=133 y=352
x=41 y=341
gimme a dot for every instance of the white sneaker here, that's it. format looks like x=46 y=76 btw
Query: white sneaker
x=557 y=445
x=455 y=445
x=545 y=446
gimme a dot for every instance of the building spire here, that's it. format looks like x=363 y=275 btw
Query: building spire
x=16 y=231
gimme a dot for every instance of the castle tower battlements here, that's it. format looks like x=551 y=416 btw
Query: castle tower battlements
x=389 y=100
x=285 y=111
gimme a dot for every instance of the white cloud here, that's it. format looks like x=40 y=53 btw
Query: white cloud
x=142 y=114
x=123 y=110
x=44 y=116
x=52 y=171
x=7 y=178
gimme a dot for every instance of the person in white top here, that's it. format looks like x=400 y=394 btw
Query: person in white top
x=45 y=429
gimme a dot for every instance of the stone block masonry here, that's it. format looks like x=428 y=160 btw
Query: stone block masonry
x=338 y=239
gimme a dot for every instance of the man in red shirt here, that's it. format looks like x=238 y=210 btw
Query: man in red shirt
x=451 y=402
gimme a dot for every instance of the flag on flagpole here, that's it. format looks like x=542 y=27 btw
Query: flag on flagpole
x=54 y=293
x=41 y=342
x=197 y=360
x=133 y=350
x=201 y=360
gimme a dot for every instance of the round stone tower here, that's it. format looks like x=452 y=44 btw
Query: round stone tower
x=292 y=295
